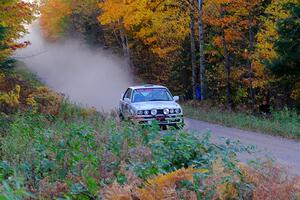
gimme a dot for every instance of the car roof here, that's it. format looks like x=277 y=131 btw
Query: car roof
x=146 y=86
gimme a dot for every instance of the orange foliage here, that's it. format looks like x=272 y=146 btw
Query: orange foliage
x=53 y=18
x=272 y=182
x=162 y=25
x=160 y=187
x=45 y=101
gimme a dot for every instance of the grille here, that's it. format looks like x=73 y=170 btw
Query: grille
x=160 y=111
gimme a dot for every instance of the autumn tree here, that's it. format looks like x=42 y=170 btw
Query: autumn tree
x=113 y=15
x=159 y=24
x=14 y=15
x=201 y=50
x=286 y=65
x=234 y=25
x=221 y=46
x=221 y=16
x=54 y=18
x=266 y=37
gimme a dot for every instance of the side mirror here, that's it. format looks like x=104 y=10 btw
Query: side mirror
x=176 y=98
x=127 y=100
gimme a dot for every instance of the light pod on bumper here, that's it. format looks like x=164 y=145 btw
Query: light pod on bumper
x=166 y=111
x=140 y=112
x=153 y=112
x=146 y=112
x=178 y=110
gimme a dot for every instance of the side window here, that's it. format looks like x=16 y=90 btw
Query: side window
x=127 y=94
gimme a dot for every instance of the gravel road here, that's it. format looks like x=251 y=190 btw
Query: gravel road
x=284 y=151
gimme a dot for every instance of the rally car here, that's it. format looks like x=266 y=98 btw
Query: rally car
x=147 y=103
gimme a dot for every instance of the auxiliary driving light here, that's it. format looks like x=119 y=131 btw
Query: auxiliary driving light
x=146 y=112
x=140 y=112
x=178 y=110
x=166 y=111
x=153 y=112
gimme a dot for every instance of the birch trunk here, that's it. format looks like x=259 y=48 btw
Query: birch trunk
x=125 y=47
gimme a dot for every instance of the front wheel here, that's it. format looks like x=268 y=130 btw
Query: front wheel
x=179 y=126
x=164 y=127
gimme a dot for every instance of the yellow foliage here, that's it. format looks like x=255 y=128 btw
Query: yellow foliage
x=159 y=187
x=162 y=25
x=11 y=99
x=14 y=16
x=224 y=190
x=268 y=34
x=88 y=112
x=163 y=186
x=2 y=78
x=45 y=100
x=296 y=91
x=54 y=12
x=31 y=101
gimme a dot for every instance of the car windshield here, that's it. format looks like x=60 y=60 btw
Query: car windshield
x=151 y=94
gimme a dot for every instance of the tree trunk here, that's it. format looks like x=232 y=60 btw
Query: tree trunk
x=226 y=65
x=201 y=50
x=125 y=47
x=193 y=51
x=250 y=70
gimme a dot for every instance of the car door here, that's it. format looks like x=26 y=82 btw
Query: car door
x=126 y=104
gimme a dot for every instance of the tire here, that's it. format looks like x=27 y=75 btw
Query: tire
x=179 y=126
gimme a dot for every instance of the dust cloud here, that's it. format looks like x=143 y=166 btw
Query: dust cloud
x=90 y=77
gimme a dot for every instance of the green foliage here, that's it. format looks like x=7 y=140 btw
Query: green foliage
x=12 y=187
x=286 y=66
x=76 y=148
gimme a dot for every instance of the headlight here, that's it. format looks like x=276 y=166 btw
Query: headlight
x=140 y=112
x=178 y=110
x=146 y=112
x=171 y=111
x=153 y=112
x=166 y=111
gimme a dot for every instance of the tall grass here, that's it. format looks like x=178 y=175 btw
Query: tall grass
x=284 y=123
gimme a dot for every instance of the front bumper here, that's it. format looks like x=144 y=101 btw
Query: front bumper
x=170 y=120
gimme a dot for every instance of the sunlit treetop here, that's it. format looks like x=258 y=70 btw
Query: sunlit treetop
x=159 y=24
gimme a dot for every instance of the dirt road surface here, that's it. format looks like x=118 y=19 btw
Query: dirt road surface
x=284 y=151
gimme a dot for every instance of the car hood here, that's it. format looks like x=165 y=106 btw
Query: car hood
x=155 y=105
